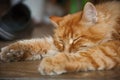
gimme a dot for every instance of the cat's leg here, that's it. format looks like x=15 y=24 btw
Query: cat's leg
x=103 y=57
x=27 y=50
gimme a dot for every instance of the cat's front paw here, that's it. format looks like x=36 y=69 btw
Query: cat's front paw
x=51 y=66
x=9 y=54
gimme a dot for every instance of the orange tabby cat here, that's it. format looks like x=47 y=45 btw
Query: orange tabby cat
x=87 y=40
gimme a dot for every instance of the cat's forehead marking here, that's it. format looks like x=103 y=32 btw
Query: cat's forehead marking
x=70 y=41
x=70 y=36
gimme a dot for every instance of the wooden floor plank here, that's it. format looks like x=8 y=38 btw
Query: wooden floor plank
x=28 y=69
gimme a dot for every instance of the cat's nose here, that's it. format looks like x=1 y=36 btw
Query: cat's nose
x=68 y=50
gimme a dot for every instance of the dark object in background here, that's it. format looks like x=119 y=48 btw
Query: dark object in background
x=16 y=19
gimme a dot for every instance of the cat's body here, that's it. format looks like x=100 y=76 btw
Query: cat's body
x=87 y=40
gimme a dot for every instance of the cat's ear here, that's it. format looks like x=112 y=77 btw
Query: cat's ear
x=55 y=20
x=89 y=13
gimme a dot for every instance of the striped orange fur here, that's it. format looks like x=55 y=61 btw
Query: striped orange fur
x=87 y=40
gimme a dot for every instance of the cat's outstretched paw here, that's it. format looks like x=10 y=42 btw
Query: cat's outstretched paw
x=49 y=66
x=8 y=54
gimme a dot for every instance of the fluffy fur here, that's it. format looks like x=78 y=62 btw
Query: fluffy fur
x=87 y=40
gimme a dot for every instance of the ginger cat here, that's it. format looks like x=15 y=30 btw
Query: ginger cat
x=87 y=40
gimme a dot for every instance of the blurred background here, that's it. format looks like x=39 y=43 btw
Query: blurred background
x=42 y=9
x=26 y=19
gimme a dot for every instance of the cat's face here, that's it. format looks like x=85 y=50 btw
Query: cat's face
x=78 y=32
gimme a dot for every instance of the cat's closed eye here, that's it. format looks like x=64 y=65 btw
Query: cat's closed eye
x=77 y=39
x=83 y=46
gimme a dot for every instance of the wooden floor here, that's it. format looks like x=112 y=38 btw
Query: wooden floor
x=28 y=69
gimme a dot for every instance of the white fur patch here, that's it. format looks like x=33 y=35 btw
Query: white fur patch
x=35 y=57
x=48 y=39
